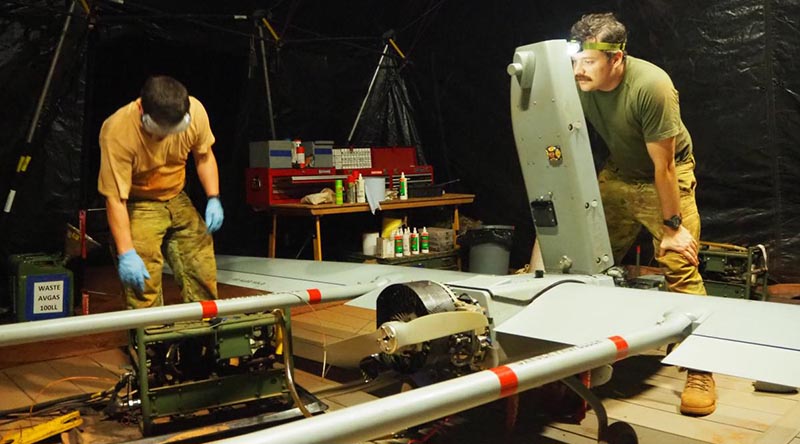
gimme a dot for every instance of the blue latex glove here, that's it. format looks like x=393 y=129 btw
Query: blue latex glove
x=214 y=214
x=132 y=271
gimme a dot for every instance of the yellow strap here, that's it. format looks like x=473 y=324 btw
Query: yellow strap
x=396 y=48
x=271 y=30
x=44 y=430
x=22 y=163
x=278 y=341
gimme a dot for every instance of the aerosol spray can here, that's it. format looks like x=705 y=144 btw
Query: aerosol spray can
x=351 y=188
x=339 y=192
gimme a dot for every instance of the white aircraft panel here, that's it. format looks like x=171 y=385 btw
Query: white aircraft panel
x=574 y=314
x=768 y=364
x=755 y=322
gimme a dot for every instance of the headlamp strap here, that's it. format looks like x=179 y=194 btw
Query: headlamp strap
x=604 y=46
x=601 y=46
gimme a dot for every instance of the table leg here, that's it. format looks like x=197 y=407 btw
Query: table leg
x=317 y=240
x=455 y=235
x=456 y=226
x=273 y=235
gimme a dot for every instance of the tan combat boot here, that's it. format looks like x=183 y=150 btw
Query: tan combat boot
x=699 y=397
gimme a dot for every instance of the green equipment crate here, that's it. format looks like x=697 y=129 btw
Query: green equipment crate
x=41 y=287
x=191 y=367
x=734 y=271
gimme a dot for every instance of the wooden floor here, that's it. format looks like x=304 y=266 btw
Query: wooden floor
x=643 y=392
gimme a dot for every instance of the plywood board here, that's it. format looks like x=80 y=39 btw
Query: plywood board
x=11 y=395
x=353 y=398
x=85 y=373
x=323 y=325
x=313 y=383
x=342 y=318
x=16 y=355
x=783 y=430
x=311 y=350
x=115 y=360
x=357 y=312
x=701 y=429
x=41 y=382
x=300 y=309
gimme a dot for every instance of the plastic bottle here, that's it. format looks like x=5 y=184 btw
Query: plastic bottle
x=361 y=195
x=414 y=240
x=398 y=244
x=424 y=237
x=403 y=186
x=295 y=143
x=406 y=241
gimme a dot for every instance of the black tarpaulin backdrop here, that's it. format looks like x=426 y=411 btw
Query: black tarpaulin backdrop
x=734 y=62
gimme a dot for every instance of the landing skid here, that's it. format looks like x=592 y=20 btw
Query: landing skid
x=618 y=432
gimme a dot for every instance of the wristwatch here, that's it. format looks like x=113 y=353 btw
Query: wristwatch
x=674 y=222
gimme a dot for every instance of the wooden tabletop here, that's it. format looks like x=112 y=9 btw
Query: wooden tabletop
x=298 y=209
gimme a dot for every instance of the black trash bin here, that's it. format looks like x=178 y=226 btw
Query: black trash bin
x=489 y=248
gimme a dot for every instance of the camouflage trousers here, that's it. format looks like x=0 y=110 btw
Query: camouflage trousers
x=172 y=230
x=629 y=205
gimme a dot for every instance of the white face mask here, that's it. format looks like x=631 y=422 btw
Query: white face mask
x=157 y=130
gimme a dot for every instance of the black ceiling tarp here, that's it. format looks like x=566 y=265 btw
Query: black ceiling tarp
x=388 y=112
x=47 y=191
x=734 y=62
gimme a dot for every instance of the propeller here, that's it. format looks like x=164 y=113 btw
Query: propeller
x=394 y=335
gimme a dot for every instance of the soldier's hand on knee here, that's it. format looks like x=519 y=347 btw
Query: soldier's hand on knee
x=680 y=241
x=132 y=271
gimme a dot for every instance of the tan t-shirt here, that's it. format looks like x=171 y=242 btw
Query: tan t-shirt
x=135 y=164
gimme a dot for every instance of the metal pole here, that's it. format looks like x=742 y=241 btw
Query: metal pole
x=24 y=332
x=266 y=79
x=369 y=91
x=40 y=104
x=387 y=415
x=50 y=72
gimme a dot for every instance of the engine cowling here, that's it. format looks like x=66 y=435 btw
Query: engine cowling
x=446 y=357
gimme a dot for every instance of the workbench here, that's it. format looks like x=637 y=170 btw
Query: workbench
x=317 y=211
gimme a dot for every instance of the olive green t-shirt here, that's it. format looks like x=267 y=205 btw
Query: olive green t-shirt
x=644 y=107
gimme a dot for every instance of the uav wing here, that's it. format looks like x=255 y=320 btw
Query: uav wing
x=294 y=275
x=749 y=339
